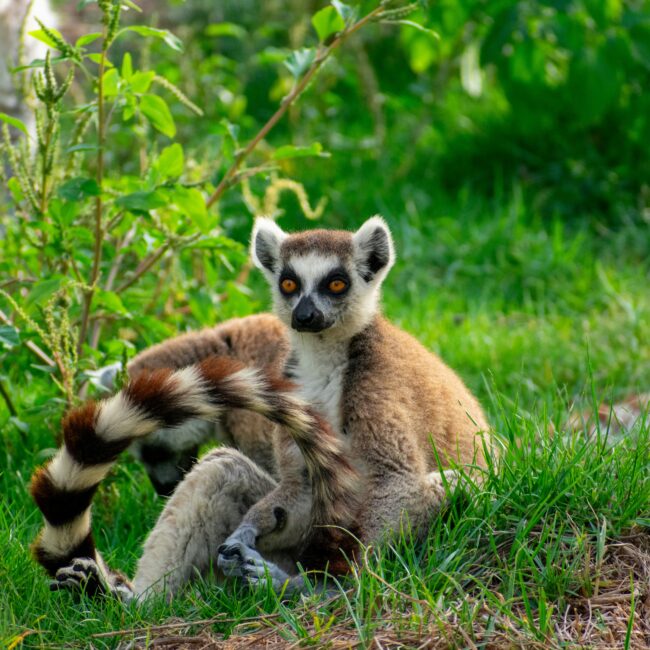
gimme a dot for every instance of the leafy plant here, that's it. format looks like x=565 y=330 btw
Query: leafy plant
x=84 y=237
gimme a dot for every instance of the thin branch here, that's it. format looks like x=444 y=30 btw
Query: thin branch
x=29 y=344
x=143 y=267
x=323 y=54
x=8 y=283
x=110 y=281
x=7 y=399
x=97 y=254
x=148 y=262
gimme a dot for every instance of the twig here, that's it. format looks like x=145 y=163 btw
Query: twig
x=143 y=267
x=29 y=344
x=8 y=283
x=97 y=253
x=180 y=624
x=110 y=281
x=296 y=91
x=5 y=395
x=148 y=262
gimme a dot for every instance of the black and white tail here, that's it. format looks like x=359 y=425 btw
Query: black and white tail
x=96 y=433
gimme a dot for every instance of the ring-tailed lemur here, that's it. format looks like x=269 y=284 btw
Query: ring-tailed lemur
x=96 y=433
x=396 y=410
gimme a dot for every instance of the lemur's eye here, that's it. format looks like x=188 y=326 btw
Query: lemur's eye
x=288 y=286
x=337 y=286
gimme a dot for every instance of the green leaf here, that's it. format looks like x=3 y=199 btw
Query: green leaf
x=128 y=4
x=40 y=35
x=111 y=302
x=15 y=122
x=172 y=41
x=9 y=337
x=87 y=39
x=81 y=147
x=298 y=61
x=127 y=67
x=63 y=213
x=346 y=12
x=141 y=81
x=81 y=235
x=226 y=127
x=19 y=424
x=411 y=23
x=225 y=29
x=16 y=191
x=95 y=57
x=42 y=290
x=157 y=112
x=191 y=202
x=111 y=81
x=77 y=189
x=291 y=151
x=171 y=161
x=326 y=22
x=141 y=201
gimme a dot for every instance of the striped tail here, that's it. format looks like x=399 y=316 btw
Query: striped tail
x=96 y=433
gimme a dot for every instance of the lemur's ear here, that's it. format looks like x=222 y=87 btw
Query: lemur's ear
x=373 y=249
x=265 y=244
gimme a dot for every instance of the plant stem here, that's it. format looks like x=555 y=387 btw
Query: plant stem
x=44 y=174
x=97 y=255
x=110 y=280
x=143 y=267
x=5 y=395
x=296 y=91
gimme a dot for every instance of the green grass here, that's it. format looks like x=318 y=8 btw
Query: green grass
x=534 y=316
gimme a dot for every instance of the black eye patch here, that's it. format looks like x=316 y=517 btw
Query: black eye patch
x=288 y=273
x=337 y=274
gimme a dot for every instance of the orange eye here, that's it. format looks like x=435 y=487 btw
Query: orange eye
x=288 y=285
x=337 y=286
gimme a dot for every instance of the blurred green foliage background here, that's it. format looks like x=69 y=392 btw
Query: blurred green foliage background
x=504 y=141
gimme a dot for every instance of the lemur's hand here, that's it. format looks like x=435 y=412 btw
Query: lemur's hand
x=237 y=560
x=237 y=551
x=85 y=576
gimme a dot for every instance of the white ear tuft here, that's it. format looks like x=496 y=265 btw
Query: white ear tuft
x=266 y=240
x=374 y=251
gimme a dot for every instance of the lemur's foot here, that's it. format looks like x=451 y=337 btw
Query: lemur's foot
x=81 y=575
x=85 y=575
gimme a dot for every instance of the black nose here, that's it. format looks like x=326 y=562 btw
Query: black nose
x=306 y=317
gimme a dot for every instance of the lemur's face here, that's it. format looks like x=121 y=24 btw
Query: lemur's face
x=324 y=280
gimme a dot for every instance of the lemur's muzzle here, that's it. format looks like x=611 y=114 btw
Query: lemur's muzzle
x=307 y=317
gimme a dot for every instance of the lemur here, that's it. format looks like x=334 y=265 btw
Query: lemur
x=395 y=410
x=226 y=491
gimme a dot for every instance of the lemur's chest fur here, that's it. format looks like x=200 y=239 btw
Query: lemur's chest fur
x=319 y=368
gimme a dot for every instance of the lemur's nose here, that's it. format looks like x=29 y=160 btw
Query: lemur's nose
x=307 y=317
